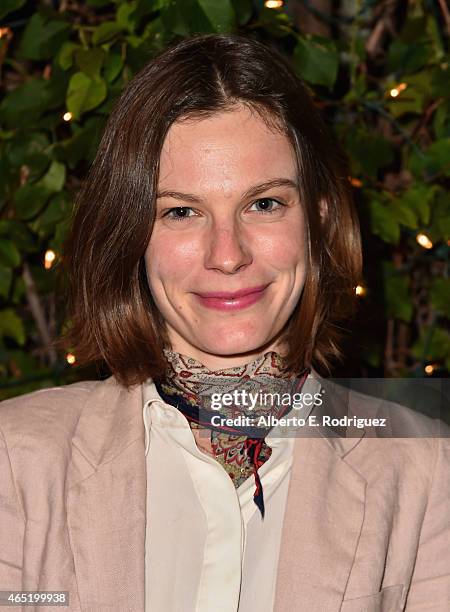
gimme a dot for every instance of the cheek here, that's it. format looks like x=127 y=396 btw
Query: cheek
x=284 y=249
x=168 y=258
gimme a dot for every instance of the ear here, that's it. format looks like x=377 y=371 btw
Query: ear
x=323 y=210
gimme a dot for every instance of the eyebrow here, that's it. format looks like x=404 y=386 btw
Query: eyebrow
x=250 y=193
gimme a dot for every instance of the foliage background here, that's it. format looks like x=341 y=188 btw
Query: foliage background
x=74 y=57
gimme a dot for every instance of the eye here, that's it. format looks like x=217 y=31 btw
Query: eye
x=179 y=213
x=267 y=205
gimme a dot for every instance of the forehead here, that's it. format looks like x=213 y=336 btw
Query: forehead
x=229 y=151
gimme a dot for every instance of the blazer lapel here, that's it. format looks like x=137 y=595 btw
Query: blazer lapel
x=106 y=501
x=322 y=524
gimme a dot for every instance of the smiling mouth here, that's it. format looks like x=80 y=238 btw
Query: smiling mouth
x=232 y=295
x=227 y=301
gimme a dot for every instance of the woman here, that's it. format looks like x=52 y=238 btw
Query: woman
x=213 y=249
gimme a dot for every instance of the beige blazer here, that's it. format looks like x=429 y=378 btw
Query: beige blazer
x=366 y=528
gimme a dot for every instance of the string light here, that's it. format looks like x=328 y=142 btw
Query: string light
x=67 y=116
x=273 y=4
x=355 y=181
x=430 y=368
x=49 y=259
x=397 y=90
x=424 y=241
x=360 y=290
x=70 y=358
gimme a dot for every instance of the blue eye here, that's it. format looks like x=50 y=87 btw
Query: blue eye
x=267 y=205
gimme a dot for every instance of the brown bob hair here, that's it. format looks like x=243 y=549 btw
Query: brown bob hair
x=113 y=315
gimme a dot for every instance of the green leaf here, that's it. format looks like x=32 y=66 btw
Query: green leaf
x=369 y=152
x=220 y=14
x=317 y=60
x=407 y=102
x=31 y=198
x=432 y=162
x=434 y=32
x=82 y=145
x=383 y=222
x=433 y=345
x=27 y=364
x=84 y=94
x=54 y=179
x=98 y=3
x=276 y=23
x=438 y=155
x=396 y=293
x=42 y=37
x=56 y=89
x=8 y=178
x=439 y=228
x=19 y=233
x=145 y=7
x=125 y=16
x=90 y=61
x=60 y=236
x=58 y=209
x=440 y=81
x=8 y=6
x=418 y=199
x=11 y=326
x=413 y=98
x=6 y=275
x=9 y=254
x=113 y=66
x=243 y=10
x=106 y=32
x=413 y=29
x=173 y=21
x=66 y=53
x=406 y=57
x=440 y=295
x=404 y=214
x=184 y=18
x=373 y=354
x=25 y=104
x=25 y=145
x=29 y=149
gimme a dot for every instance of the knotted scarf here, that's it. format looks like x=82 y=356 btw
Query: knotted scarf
x=241 y=449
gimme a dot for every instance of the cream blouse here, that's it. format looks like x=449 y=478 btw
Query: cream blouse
x=207 y=547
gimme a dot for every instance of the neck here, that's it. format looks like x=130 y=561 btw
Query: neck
x=214 y=361
x=222 y=362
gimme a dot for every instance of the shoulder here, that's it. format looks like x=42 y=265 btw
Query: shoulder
x=60 y=435
x=374 y=415
x=388 y=419
x=399 y=444
x=381 y=437
x=48 y=415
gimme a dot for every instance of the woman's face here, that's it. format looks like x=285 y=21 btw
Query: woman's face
x=226 y=260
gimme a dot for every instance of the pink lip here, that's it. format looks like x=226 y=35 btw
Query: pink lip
x=225 y=300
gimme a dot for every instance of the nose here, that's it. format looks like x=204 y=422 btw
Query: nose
x=227 y=250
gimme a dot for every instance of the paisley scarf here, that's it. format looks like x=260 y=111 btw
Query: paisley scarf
x=259 y=388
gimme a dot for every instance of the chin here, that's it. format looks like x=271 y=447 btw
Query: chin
x=233 y=344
